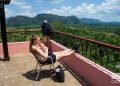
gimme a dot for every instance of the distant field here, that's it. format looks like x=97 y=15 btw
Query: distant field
x=107 y=34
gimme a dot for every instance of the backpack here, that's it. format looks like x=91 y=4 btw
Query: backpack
x=60 y=76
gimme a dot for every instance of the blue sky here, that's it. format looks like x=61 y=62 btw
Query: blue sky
x=104 y=10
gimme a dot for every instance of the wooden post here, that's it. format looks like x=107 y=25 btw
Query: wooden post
x=3 y=32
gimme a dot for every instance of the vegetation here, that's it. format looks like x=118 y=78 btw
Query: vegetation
x=102 y=33
x=107 y=34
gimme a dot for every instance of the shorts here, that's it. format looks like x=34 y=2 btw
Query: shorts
x=49 y=61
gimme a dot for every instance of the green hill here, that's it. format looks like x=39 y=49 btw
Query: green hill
x=24 y=20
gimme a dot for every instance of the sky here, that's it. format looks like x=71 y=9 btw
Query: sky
x=104 y=10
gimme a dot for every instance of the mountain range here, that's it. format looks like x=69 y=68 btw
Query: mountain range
x=24 y=20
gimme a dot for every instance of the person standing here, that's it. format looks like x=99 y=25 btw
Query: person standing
x=46 y=32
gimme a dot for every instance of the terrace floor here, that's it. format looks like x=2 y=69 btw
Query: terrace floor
x=19 y=71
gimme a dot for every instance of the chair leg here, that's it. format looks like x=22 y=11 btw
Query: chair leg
x=52 y=63
x=36 y=67
x=38 y=72
x=50 y=67
x=53 y=66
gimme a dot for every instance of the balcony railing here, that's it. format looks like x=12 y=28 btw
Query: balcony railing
x=104 y=54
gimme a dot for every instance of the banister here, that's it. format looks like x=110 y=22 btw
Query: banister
x=93 y=41
x=81 y=38
x=104 y=54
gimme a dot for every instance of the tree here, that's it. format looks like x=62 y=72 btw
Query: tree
x=58 y=26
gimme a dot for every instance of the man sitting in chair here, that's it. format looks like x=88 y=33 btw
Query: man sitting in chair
x=41 y=51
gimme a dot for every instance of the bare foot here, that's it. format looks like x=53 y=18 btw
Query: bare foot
x=72 y=52
x=68 y=50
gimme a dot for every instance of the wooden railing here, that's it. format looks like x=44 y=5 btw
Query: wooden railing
x=21 y=35
x=104 y=54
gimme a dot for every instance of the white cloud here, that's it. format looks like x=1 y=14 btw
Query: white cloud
x=26 y=7
x=107 y=10
x=18 y=2
x=27 y=13
x=56 y=1
x=39 y=1
x=82 y=10
x=52 y=1
x=110 y=10
x=21 y=4
x=8 y=12
x=109 y=6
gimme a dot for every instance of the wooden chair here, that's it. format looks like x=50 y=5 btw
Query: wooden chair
x=40 y=64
